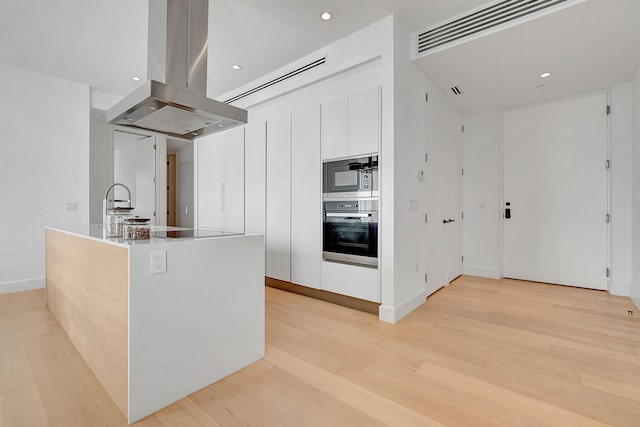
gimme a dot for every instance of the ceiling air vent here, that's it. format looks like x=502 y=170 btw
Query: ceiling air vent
x=456 y=90
x=297 y=71
x=498 y=13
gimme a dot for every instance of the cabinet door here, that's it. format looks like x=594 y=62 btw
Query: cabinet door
x=350 y=280
x=211 y=172
x=334 y=128
x=306 y=190
x=255 y=174
x=364 y=122
x=278 y=233
x=233 y=195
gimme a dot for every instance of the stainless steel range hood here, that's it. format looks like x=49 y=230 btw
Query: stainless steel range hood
x=174 y=100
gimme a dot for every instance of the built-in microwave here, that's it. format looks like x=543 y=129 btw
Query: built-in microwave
x=355 y=177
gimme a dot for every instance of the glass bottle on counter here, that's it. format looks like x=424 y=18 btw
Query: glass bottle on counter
x=136 y=229
x=115 y=219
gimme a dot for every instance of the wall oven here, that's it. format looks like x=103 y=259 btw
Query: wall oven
x=355 y=177
x=350 y=232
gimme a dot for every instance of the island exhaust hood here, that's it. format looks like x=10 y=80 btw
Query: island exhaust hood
x=174 y=100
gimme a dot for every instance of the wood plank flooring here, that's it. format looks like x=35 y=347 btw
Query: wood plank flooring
x=479 y=352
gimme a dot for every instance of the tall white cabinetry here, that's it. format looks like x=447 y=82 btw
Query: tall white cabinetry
x=220 y=160
x=351 y=125
x=255 y=187
x=296 y=144
x=278 y=233
x=306 y=203
x=294 y=210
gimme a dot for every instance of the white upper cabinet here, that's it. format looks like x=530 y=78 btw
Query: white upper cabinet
x=364 y=122
x=334 y=128
x=306 y=189
x=278 y=232
x=351 y=125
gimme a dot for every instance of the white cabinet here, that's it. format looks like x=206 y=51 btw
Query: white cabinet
x=350 y=280
x=334 y=128
x=233 y=195
x=364 y=122
x=351 y=125
x=278 y=221
x=306 y=203
x=255 y=187
x=293 y=232
x=220 y=160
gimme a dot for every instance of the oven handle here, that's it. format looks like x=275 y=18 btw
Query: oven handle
x=347 y=215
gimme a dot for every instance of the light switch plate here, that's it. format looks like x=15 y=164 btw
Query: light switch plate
x=158 y=261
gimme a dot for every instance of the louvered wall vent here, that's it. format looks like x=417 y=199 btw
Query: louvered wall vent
x=456 y=90
x=481 y=20
x=297 y=71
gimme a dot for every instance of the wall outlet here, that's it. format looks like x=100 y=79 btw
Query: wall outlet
x=70 y=206
x=158 y=262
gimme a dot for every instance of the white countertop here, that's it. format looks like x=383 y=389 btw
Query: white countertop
x=159 y=234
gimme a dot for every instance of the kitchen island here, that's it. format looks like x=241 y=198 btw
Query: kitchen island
x=154 y=338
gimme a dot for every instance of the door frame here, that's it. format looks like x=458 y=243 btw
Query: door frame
x=608 y=173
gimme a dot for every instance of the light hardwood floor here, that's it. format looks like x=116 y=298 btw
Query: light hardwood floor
x=479 y=353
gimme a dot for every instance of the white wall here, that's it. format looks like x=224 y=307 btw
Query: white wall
x=419 y=127
x=44 y=162
x=101 y=162
x=620 y=195
x=635 y=222
x=482 y=193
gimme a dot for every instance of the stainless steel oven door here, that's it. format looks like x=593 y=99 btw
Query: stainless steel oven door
x=351 y=237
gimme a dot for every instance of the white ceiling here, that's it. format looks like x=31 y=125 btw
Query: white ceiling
x=103 y=43
x=587 y=47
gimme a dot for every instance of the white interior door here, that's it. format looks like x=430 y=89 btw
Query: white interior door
x=453 y=195
x=555 y=187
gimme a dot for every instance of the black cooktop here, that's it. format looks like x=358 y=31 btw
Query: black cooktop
x=192 y=234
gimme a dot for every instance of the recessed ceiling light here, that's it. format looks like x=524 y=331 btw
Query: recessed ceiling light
x=236 y=67
x=136 y=78
x=325 y=16
x=545 y=75
x=220 y=126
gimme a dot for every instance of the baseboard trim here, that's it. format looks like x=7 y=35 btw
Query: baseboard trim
x=21 y=285
x=343 y=300
x=395 y=314
x=481 y=272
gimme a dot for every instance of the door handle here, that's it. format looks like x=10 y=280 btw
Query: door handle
x=447 y=221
